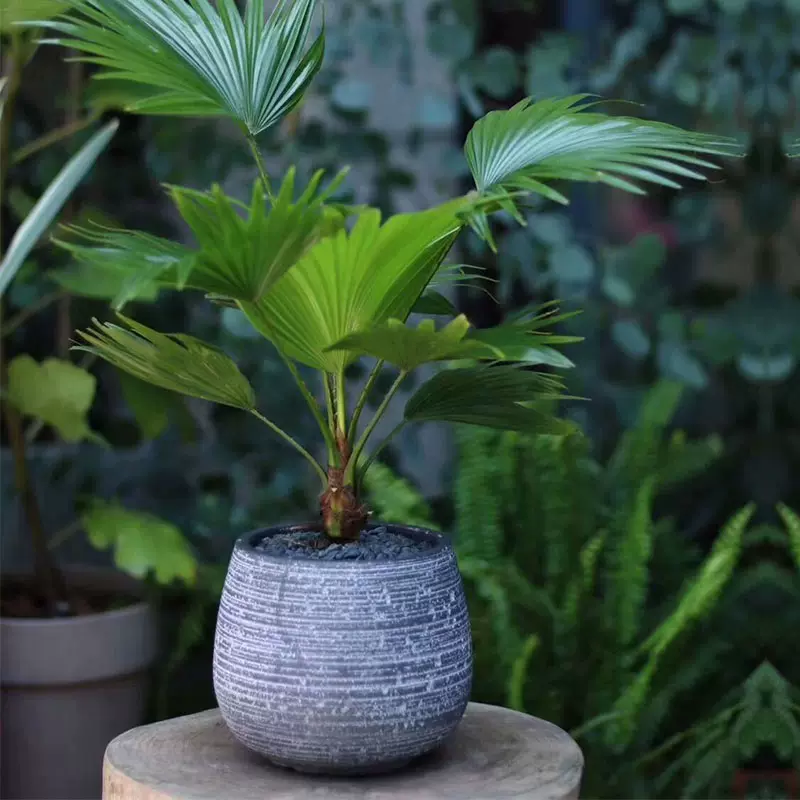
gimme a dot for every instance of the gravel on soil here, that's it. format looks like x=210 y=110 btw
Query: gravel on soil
x=378 y=544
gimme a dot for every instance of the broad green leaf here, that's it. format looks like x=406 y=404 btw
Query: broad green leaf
x=354 y=281
x=197 y=60
x=56 y=392
x=13 y=12
x=435 y=304
x=153 y=407
x=50 y=203
x=107 y=283
x=409 y=348
x=176 y=361
x=143 y=544
x=490 y=396
x=532 y=143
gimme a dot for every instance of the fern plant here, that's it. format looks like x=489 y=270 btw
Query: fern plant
x=580 y=609
x=322 y=291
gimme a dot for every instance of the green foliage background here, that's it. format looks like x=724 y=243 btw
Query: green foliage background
x=583 y=559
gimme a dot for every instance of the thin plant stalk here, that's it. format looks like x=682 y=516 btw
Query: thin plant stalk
x=359 y=447
x=262 y=170
x=295 y=444
x=362 y=400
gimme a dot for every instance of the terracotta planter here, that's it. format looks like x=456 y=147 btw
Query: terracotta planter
x=343 y=666
x=69 y=686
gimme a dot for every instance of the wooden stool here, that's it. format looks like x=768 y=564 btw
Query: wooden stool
x=495 y=754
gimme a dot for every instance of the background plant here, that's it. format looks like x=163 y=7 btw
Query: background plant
x=592 y=610
x=56 y=395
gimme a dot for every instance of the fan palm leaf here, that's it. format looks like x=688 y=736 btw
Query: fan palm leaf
x=489 y=396
x=525 y=147
x=353 y=281
x=241 y=252
x=177 y=362
x=193 y=59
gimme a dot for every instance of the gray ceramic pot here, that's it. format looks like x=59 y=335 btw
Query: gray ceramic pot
x=344 y=666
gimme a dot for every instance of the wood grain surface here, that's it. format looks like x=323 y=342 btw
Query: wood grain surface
x=495 y=754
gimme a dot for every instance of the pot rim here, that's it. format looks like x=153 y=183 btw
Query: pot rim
x=79 y=575
x=246 y=544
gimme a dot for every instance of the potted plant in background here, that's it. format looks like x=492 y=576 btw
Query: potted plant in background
x=75 y=644
x=342 y=645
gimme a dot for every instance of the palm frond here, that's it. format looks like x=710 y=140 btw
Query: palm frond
x=525 y=147
x=409 y=348
x=490 y=396
x=241 y=252
x=353 y=281
x=177 y=362
x=193 y=59
x=136 y=263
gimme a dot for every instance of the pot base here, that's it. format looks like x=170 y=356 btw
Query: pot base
x=335 y=770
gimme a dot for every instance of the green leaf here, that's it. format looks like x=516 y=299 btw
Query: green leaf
x=56 y=392
x=153 y=407
x=106 y=283
x=13 y=12
x=572 y=263
x=524 y=338
x=489 y=396
x=631 y=338
x=142 y=543
x=792 y=522
x=197 y=60
x=175 y=361
x=242 y=251
x=354 y=281
x=496 y=72
x=435 y=304
x=50 y=203
x=351 y=94
x=676 y=362
x=524 y=147
x=409 y=348
x=395 y=499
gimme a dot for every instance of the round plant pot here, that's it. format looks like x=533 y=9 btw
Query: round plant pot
x=69 y=686
x=342 y=667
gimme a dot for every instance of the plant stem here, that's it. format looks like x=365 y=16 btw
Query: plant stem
x=67 y=532
x=262 y=170
x=341 y=405
x=51 y=138
x=362 y=400
x=312 y=403
x=297 y=446
x=377 y=451
x=371 y=427
x=48 y=578
x=26 y=313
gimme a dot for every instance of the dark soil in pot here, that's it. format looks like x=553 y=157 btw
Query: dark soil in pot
x=379 y=544
x=343 y=658
x=20 y=599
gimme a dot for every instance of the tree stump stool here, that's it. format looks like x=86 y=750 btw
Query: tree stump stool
x=495 y=754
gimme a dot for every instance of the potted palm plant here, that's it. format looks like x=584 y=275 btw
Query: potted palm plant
x=342 y=645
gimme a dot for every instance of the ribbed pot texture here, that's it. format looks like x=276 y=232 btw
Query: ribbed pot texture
x=342 y=667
